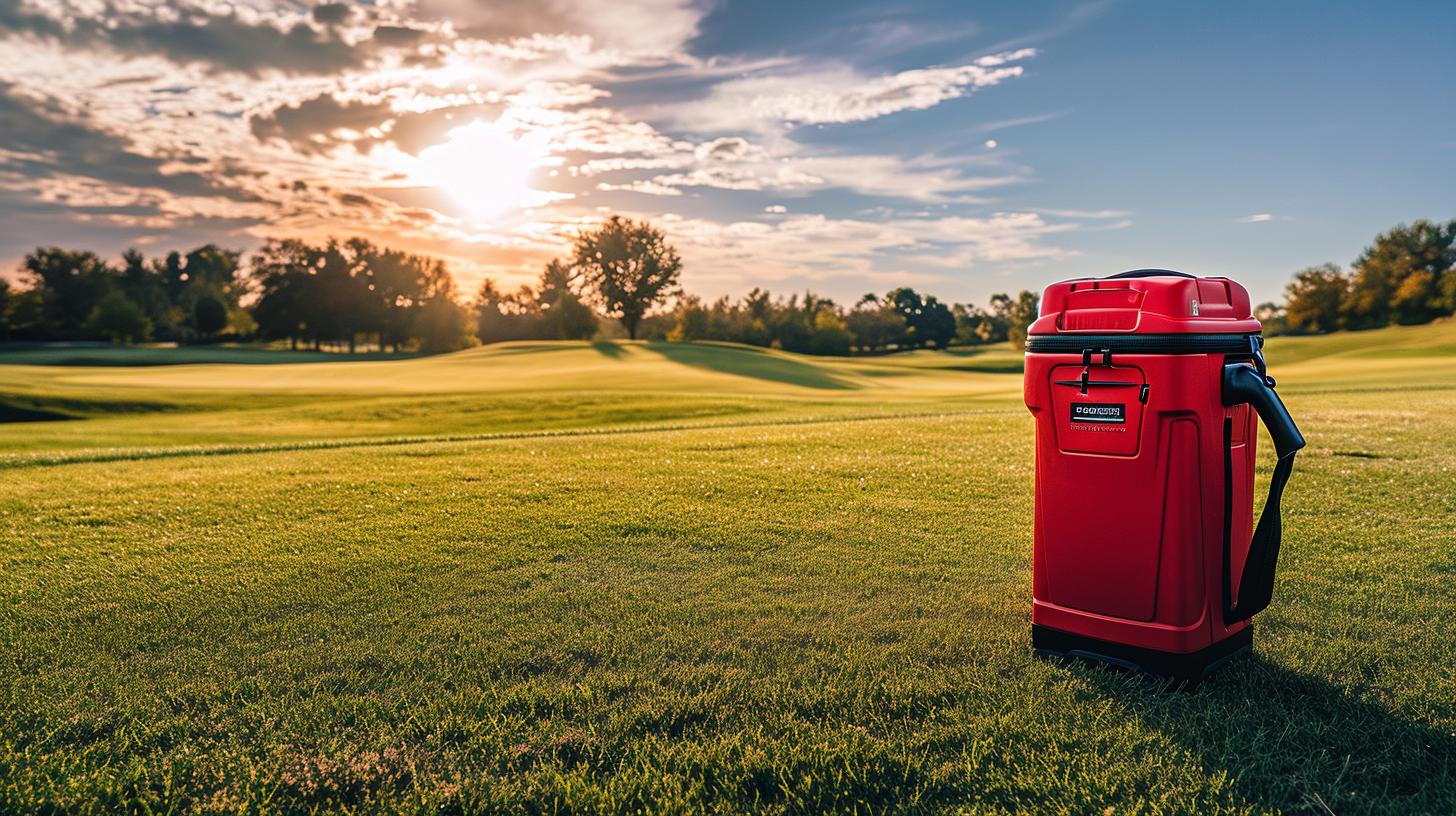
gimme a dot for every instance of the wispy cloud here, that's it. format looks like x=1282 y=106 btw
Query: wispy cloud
x=1020 y=121
x=842 y=94
x=1257 y=218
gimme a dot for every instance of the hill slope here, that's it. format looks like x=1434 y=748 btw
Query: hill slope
x=535 y=386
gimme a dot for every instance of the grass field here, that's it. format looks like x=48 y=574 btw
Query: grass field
x=616 y=577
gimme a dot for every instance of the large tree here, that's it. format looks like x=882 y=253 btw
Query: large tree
x=1403 y=276
x=1314 y=298
x=630 y=265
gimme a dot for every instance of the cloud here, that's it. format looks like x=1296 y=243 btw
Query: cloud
x=332 y=13
x=1020 y=121
x=1256 y=219
x=188 y=34
x=44 y=140
x=298 y=119
x=312 y=125
x=925 y=179
x=728 y=148
x=621 y=32
x=818 y=249
x=842 y=95
x=1096 y=214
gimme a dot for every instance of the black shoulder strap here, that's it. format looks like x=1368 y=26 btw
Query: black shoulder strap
x=1256 y=585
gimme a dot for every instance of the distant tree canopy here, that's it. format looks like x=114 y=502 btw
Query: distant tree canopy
x=1406 y=276
x=75 y=295
x=1314 y=300
x=553 y=311
x=898 y=320
x=347 y=291
x=344 y=293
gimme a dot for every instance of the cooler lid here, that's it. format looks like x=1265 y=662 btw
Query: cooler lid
x=1145 y=301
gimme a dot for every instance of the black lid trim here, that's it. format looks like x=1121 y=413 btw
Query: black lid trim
x=1140 y=343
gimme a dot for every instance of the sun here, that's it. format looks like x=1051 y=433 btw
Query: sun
x=485 y=169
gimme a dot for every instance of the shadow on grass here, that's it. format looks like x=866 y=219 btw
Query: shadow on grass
x=33 y=408
x=607 y=348
x=748 y=362
x=22 y=413
x=101 y=355
x=1297 y=743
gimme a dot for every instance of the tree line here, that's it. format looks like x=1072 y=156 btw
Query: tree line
x=75 y=295
x=620 y=278
x=1406 y=276
x=629 y=271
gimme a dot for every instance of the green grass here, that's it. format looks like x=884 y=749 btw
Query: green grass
x=567 y=578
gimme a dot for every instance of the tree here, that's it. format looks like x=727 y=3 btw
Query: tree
x=500 y=317
x=1020 y=315
x=997 y=324
x=1401 y=277
x=969 y=322
x=7 y=310
x=280 y=270
x=208 y=272
x=119 y=320
x=209 y=315
x=630 y=265
x=831 y=335
x=442 y=325
x=692 y=322
x=928 y=321
x=144 y=287
x=875 y=324
x=69 y=286
x=1273 y=318
x=563 y=314
x=1314 y=299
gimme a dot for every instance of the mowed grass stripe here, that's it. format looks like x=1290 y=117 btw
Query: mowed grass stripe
x=84 y=456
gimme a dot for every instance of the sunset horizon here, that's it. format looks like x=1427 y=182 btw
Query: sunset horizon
x=845 y=151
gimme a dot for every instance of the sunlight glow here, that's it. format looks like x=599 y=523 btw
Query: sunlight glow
x=485 y=169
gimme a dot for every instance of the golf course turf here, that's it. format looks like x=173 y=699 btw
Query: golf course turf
x=574 y=577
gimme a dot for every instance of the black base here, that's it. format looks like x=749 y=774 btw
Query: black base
x=1188 y=668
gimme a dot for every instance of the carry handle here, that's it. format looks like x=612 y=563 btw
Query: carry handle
x=1243 y=383
x=1149 y=273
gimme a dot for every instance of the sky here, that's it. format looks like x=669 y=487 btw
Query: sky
x=960 y=148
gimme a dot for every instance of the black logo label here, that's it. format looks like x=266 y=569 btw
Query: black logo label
x=1103 y=412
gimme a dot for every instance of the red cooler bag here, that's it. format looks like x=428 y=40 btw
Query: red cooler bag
x=1146 y=387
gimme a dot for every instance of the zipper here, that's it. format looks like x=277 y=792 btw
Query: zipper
x=1107 y=344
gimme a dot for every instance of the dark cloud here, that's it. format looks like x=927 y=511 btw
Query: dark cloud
x=54 y=143
x=331 y=13
x=399 y=36
x=222 y=42
x=310 y=126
